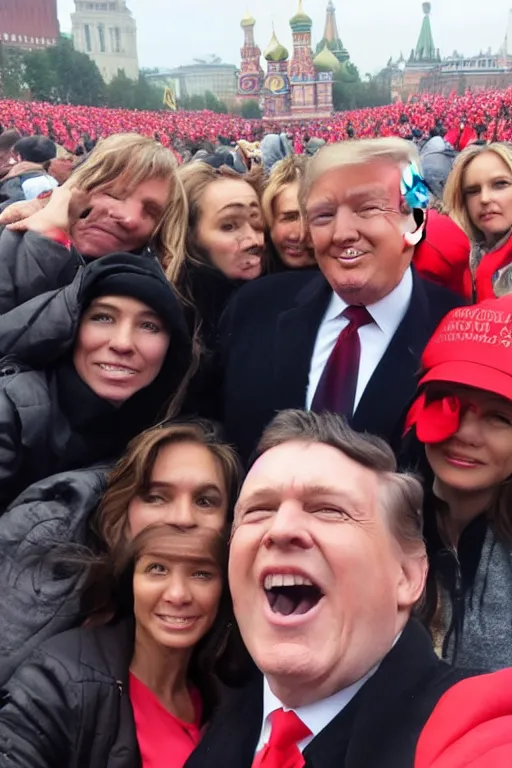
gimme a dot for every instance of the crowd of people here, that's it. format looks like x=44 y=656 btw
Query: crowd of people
x=256 y=441
x=491 y=111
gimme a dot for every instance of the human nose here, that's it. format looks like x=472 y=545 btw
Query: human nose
x=289 y=528
x=485 y=194
x=470 y=428
x=122 y=340
x=251 y=238
x=177 y=589
x=127 y=212
x=182 y=514
x=345 y=229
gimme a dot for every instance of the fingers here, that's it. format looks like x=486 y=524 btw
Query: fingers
x=19 y=226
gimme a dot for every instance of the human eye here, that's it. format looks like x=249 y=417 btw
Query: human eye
x=502 y=183
x=203 y=575
x=229 y=226
x=471 y=191
x=370 y=209
x=147 y=325
x=500 y=418
x=207 y=501
x=330 y=512
x=321 y=217
x=153 y=498
x=101 y=317
x=156 y=569
x=257 y=514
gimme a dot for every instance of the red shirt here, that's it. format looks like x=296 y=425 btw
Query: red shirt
x=164 y=740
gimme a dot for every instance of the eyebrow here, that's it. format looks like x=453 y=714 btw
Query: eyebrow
x=166 y=485
x=240 y=206
x=273 y=495
x=179 y=557
x=112 y=308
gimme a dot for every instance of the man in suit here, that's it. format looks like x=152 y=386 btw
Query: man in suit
x=327 y=563
x=347 y=338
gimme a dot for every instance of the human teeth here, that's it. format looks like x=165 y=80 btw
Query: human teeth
x=351 y=252
x=286 y=580
x=178 y=620
x=116 y=369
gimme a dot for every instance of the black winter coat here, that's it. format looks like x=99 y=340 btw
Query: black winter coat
x=37 y=599
x=50 y=420
x=69 y=705
x=31 y=264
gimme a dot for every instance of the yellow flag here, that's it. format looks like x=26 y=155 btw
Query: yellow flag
x=170 y=99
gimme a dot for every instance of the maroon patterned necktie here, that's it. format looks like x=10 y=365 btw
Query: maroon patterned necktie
x=336 y=389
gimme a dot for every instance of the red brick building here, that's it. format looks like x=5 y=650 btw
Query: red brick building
x=28 y=23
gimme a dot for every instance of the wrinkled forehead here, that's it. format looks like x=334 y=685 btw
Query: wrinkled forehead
x=305 y=471
x=347 y=182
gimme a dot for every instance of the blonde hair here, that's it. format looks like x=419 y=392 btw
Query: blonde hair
x=135 y=159
x=195 y=178
x=356 y=152
x=287 y=171
x=454 y=197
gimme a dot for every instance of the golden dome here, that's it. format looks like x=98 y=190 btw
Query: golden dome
x=275 y=51
x=247 y=20
x=326 y=61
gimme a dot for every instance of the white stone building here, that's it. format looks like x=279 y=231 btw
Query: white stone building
x=107 y=32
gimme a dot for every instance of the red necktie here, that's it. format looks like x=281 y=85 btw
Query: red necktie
x=336 y=391
x=282 y=750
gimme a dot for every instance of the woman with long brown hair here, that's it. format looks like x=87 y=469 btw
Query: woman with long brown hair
x=135 y=686
x=180 y=473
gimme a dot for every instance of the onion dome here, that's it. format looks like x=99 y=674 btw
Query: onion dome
x=275 y=51
x=247 y=20
x=326 y=61
x=301 y=22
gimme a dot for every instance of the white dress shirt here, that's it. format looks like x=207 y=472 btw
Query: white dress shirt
x=315 y=716
x=375 y=337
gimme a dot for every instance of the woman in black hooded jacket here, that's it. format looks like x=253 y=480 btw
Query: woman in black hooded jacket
x=86 y=368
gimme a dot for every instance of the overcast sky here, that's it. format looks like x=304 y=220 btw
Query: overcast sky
x=372 y=30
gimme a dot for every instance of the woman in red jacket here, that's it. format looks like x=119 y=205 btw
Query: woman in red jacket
x=478 y=195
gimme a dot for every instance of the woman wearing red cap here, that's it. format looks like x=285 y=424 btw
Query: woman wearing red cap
x=478 y=195
x=463 y=416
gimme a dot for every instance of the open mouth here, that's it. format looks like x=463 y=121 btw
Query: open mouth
x=291 y=594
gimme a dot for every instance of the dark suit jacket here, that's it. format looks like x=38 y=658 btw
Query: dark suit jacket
x=378 y=729
x=266 y=341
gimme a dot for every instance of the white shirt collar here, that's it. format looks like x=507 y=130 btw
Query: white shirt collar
x=318 y=715
x=387 y=313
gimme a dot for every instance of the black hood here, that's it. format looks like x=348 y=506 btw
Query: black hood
x=42 y=331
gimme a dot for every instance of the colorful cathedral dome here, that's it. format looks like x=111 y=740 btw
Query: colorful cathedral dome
x=326 y=61
x=301 y=22
x=247 y=21
x=275 y=51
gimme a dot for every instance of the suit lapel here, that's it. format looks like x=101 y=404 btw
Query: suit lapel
x=297 y=329
x=361 y=736
x=393 y=383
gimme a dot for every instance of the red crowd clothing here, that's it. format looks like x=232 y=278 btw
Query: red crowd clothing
x=164 y=740
x=471 y=726
x=491 y=263
x=443 y=256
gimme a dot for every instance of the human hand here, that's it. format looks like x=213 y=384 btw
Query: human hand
x=22 y=210
x=64 y=206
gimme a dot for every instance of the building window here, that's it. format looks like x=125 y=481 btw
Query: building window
x=117 y=36
x=87 y=33
x=101 y=35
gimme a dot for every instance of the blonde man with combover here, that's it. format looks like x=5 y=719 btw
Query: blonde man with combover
x=347 y=339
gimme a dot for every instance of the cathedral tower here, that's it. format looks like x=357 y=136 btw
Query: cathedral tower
x=331 y=38
x=250 y=77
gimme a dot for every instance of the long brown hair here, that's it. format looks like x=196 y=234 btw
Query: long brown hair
x=219 y=654
x=132 y=475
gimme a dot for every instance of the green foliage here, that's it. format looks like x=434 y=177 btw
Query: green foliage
x=62 y=75
x=12 y=73
x=198 y=102
x=350 y=92
x=124 y=93
x=250 y=109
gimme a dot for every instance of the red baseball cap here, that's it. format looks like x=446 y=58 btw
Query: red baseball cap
x=473 y=346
